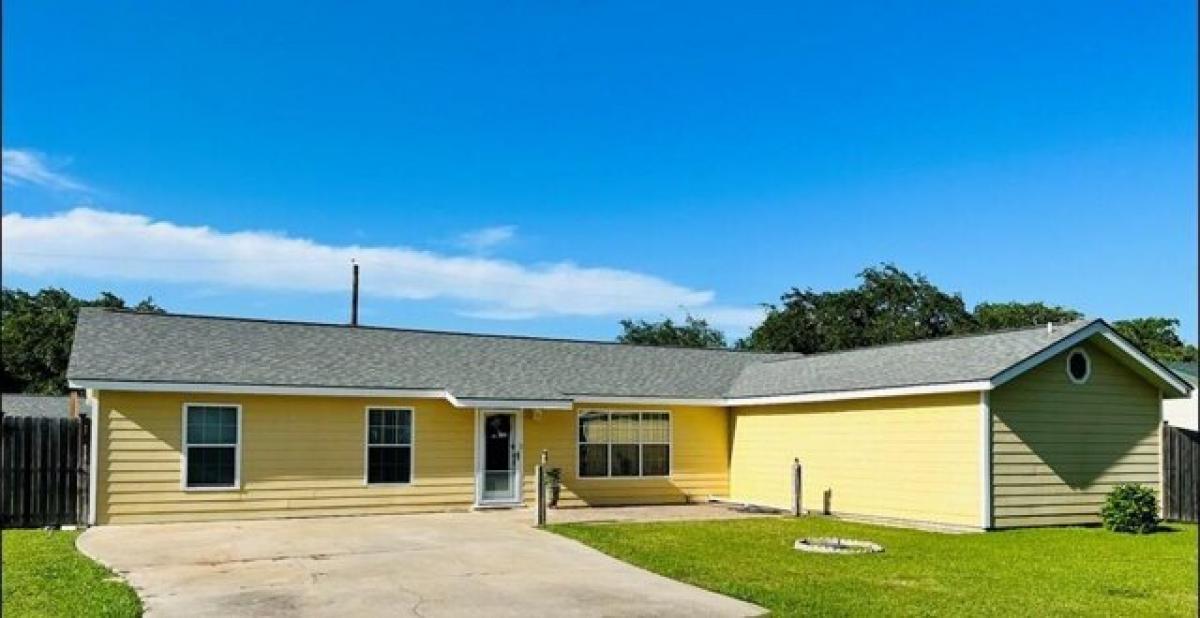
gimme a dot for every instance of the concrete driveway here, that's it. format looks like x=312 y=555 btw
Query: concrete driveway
x=447 y=564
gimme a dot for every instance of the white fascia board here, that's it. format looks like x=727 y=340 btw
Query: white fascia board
x=867 y=393
x=1076 y=338
x=258 y=389
x=540 y=404
x=659 y=401
x=319 y=391
x=1170 y=378
x=545 y=404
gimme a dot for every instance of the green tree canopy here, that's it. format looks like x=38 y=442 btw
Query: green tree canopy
x=1158 y=337
x=693 y=333
x=998 y=316
x=889 y=305
x=36 y=332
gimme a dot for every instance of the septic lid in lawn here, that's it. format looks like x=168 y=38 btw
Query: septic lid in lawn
x=831 y=545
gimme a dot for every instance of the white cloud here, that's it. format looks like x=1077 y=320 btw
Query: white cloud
x=108 y=245
x=740 y=319
x=488 y=238
x=30 y=167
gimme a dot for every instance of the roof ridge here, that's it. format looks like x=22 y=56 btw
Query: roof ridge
x=127 y=311
x=897 y=344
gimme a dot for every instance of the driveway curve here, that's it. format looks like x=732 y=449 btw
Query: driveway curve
x=446 y=564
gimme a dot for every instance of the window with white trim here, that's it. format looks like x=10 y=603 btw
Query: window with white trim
x=614 y=444
x=211 y=446
x=389 y=445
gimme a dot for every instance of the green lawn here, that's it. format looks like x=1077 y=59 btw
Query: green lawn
x=1060 y=571
x=44 y=575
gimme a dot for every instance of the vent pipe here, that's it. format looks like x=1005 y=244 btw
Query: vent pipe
x=354 y=294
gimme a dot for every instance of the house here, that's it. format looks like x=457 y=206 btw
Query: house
x=202 y=417
x=1183 y=413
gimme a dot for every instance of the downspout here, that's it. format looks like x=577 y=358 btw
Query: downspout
x=985 y=460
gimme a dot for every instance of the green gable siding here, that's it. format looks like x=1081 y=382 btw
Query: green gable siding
x=1058 y=447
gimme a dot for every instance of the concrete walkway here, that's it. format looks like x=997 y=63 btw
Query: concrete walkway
x=452 y=564
x=669 y=512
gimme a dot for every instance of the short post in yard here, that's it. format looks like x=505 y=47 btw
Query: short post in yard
x=797 y=488
x=540 y=475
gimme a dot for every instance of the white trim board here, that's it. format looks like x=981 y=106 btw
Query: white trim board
x=540 y=404
x=866 y=393
x=985 y=460
x=93 y=454
x=319 y=391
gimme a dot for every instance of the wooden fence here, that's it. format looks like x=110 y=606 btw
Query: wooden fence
x=44 y=471
x=1181 y=473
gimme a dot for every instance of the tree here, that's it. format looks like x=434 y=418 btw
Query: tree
x=693 y=333
x=997 y=316
x=36 y=332
x=1158 y=337
x=889 y=305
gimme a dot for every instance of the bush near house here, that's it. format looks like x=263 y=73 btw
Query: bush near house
x=1130 y=508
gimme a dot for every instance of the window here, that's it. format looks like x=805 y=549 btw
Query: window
x=389 y=445
x=211 y=442
x=1079 y=366
x=624 y=444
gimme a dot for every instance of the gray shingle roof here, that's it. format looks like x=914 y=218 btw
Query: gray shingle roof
x=936 y=361
x=124 y=346
x=14 y=404
x=113 y=345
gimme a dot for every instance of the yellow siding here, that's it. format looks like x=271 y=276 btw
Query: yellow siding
x=700 y=458
x=1058 y=447
x=303 y=456
x=912 y=458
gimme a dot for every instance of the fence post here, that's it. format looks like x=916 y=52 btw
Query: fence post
x=540 y=471
x=797 y=488
x=1164 y=451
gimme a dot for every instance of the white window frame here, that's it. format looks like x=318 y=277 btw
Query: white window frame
x=237 y=453
x=412 y=446
x=670 y=446
x=1086 y=358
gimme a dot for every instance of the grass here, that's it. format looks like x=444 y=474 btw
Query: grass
x=44 y=575
x=1051 y=571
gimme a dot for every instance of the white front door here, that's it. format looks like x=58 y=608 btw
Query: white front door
x=498 y=457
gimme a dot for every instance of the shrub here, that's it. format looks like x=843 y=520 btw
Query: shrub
x=1130 y=508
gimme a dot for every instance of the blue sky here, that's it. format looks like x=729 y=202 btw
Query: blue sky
x=550 y=169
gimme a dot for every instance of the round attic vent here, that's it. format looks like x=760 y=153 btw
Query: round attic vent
x=1079 y=366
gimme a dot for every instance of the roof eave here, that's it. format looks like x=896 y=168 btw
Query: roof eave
x=318 y=391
